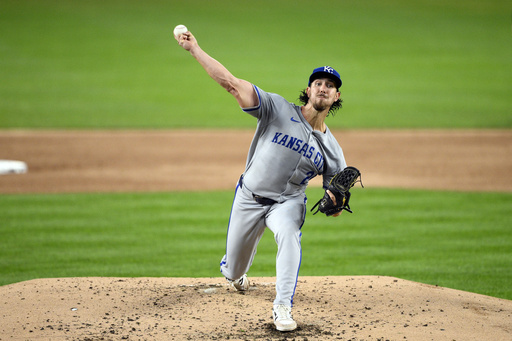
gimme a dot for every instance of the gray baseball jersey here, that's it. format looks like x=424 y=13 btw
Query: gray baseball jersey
x=286 y=152
x=284 y=155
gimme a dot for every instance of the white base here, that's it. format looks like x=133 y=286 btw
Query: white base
x=12 y=167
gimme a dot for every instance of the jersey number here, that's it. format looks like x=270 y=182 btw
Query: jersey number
x=310 y=175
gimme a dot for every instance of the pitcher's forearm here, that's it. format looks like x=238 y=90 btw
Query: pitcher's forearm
x=241 y=90
x=215 y=70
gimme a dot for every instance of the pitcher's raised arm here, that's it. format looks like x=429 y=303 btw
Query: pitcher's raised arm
x=242 y=90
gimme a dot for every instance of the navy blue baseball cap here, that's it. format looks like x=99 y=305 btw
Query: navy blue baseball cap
x=325 y=72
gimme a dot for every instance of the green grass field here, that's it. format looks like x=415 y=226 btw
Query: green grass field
x=457 y=240
x=113 y=64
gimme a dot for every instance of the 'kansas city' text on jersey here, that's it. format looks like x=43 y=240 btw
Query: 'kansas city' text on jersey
x=286 y=152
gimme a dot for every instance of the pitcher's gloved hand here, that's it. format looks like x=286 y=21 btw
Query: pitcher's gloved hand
x=339 y=186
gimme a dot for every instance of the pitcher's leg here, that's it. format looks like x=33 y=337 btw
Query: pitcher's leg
x=285 y=220
x=245 y=229
x=289 y=256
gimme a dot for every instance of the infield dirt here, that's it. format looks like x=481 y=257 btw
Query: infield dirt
x=326 y=308
x=125 y=161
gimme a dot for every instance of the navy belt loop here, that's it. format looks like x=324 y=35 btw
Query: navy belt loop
x=264 y=201
x=258 y=198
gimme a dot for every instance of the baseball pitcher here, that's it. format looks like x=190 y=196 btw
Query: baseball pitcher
x=291 y=145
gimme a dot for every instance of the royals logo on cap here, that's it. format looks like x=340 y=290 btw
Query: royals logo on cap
x=328 y=69
x=328 y=72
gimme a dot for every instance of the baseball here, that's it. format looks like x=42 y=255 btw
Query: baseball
x=180 y=29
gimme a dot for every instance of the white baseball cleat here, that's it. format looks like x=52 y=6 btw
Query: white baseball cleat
x=241 y=284
x=283 y=318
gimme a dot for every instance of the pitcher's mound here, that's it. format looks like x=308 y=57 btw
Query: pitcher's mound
x=326 y=308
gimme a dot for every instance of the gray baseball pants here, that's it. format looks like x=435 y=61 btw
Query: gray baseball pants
x=247 y=223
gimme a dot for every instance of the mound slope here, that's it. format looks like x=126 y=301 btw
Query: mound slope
x=326 y=308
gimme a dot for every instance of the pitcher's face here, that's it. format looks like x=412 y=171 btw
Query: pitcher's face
x=322 y=94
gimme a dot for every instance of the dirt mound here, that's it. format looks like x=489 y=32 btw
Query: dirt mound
x=326 y=308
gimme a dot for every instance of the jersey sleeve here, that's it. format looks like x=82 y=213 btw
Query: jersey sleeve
x=335 y=161
x=264 y=111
